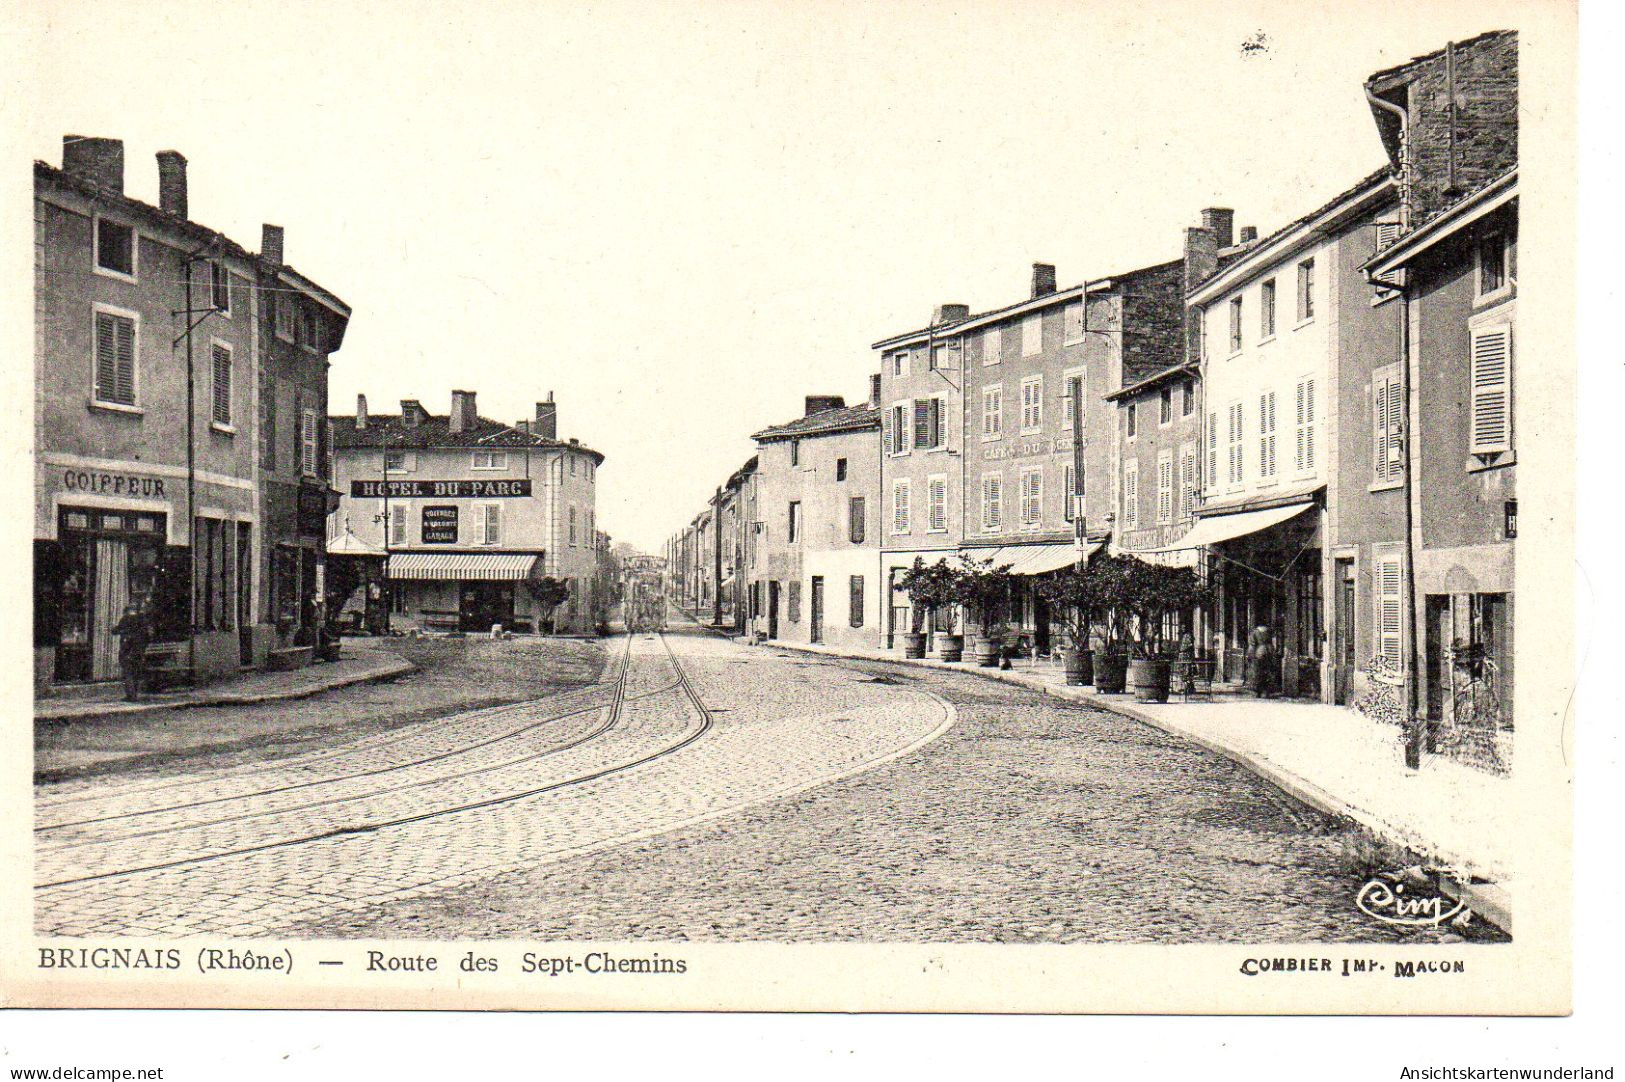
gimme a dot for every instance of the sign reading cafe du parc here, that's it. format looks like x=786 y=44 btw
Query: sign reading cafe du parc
x=408 y=490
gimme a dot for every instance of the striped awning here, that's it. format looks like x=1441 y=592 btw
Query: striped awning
x=1042 y=559
x=500 y=566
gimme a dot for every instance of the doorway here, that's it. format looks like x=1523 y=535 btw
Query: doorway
x=484 y=604
x=773 y=609
x=817 y=634
x=1343 y=657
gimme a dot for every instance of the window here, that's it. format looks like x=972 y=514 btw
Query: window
x=940 y=358
x=308 y=330
x=1389 y=607
x=795 y=452
x=1266 y=434
x=854 y=617
x=992 y=502
x=1165 y=414
x=897 y=430
x=1069 y=492
x=1032 y=334
x=928 y=434
x=1165 y=487
x=1491 y=417
x=795 y=521
x=1212 y=450
x=992 y=345
x=284 y=316
x=1387 y=425
x=1187 y=402
x=572 y=460
x=220 y=288
x=308 y=443
x=1074 y=397
x=992 y=412
x=1032 y=498
x=115 y=358
x=493 y=460
x=1492 y=264
x=936 y=504
x=899 y=506
x=1131 y=419
x=1236 y=463
x=1235 y=325
x=396 y=462
x=1187 y=480
x=220 y=384
x=1131 y=494
x=1306 y=290
x=899 y=363
x=115 y=248
x=1032 y=404
x=397 y=523
x=1073 y=317
x=572 y=525
x=840 y=469
x=857 y=519
x=1305 y=455
x=1266 y=309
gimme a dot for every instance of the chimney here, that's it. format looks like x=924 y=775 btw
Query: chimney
x=547 y=419
x=950 y=313
x=172 y=182
x=1249 y=233
x=412 y=413
x=360 y=411
x=99 y=160
x=821 y=403
x=1043 y=279
x=1221 y=222
x=271 y=237
x=463 y=415
x=874 y=391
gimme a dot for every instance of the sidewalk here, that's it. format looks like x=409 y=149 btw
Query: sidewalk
x=1329 y=757
x=360 y=661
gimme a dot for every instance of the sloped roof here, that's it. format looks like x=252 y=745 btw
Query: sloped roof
x=1388 y=74
x=824 y=422
x=387 y=430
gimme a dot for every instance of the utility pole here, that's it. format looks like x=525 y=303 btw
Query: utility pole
x=1080 y=530
x=188 y=312
x=716 y=569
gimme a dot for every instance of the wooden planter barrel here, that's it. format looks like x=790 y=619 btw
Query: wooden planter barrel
x=1150 y=679
x=913 y=645
x=951 y=647
x=1080 y=668
x=1111 y=674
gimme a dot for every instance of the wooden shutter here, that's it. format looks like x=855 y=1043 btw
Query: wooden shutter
x=1069 y=482
x=1187 y=478
x=1387 y=418
x=1032 y=497
x=307 y=442
x=115 y=359
x=397 y=524
x=222 y=384
x=886 y=432
x=1309 y=424
x=493 y=523
x=922 y=422
x=855 y=603
x=899 y=508
x=1379 y=420
x=857 y=513
x=937 y=497
x=1491 y=409
x=1165 y=487
x=1131 y=494
x=992 y=498
x=1212 y=450
x=1389 y=590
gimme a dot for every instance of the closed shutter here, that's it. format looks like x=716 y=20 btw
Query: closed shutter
x=222 y=385
x=1304 y=454
x=1069 y=484
x=922 y=422
x=1390 y=608
x=1187 y=479
x=855 y=603
x=937 y=499
x=936 y=422
x=1131 y=494
x=307 y=442
x=899 y=509
x=1165 y=487
x=1492 y=390
x=1212 y=450
x=992 y=501
x=397 y=524
x=1032 y=497
x=886 y=432
x=493 y=524
x=1387 y=404
x=115 y=359
x=856 y=515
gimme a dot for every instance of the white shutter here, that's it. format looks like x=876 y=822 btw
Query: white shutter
x=1491 y=416
x=992 y=346
x=1389 y=590
x=1165 y=487
x=886 y=432
x=1212 y=450
x=1379 y=417
x=307 y=442
x=992 y=502
x=1309 y=424
x=937 y=500
x=1387 y=418
x=1032 y=334
x=397 y=524
x=1032 y=497
x=1131 y=494
x=899 y=497
x=1069 y=480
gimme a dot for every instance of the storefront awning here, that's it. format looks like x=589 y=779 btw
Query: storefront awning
x=1042 y=559
x=507 y=567
x=1217 y=528
x=351 y=545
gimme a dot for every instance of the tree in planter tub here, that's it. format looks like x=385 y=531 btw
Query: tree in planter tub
x=1109 y=585
x=929 y=587
x=982 y=589
x=1078 y=594
x=549 y=593
x=1151 y=592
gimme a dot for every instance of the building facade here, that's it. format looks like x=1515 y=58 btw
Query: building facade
x=472 y=516
x=149 y=485
x=816 y=481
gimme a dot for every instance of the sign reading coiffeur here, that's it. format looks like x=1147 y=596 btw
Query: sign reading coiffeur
x=450 y=490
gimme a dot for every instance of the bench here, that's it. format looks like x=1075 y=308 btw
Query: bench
x=166 y=664
x=440 y=621
x=289 y=658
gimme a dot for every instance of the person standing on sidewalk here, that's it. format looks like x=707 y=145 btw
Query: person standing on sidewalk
x=134 y=632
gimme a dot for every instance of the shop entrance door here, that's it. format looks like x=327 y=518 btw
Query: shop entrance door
x=1343 y=648
x=112 y=594
x=773 y=609
x=245 y=596
x=485 y=604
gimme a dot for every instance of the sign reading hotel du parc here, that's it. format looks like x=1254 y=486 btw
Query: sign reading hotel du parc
x=469 y=490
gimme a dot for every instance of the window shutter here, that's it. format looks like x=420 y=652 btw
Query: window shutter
x=855 y=616
x=307 y=442
x=1396 y=427
x=1492 y=390
x=493 y=524
x=922 y=422
x=886 y=432
x=106 y=358
x=856 y=515
x=397 y=524
x=1309 y=424
x=1131 y=494
x=1390 y=608
x=1379 y=419
x=937 y=496
x=1213 y=450
x=222 y=385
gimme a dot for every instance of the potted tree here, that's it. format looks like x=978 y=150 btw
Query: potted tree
x=1153 y=591
x=1109 y=576
x=929 y=587
x=1074 y=593
x=982 y=589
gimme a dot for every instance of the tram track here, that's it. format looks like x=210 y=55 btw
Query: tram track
x=682 y=683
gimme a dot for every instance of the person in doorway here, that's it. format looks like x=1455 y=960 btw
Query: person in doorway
x=1261 y=677
x=134 y=632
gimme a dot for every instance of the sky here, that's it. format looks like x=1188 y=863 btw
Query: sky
x=683 y=218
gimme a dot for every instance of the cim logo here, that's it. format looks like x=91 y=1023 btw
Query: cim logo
x=1391 y=904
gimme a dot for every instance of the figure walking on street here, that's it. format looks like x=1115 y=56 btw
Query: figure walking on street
x=134 y=633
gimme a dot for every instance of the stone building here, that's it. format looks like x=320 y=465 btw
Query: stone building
x=472 y=515
x=150 y=360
